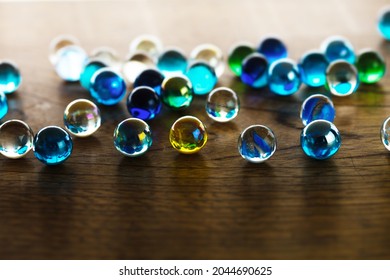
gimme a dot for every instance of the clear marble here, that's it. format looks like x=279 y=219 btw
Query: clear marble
x=222 y=104
x=149 y=44
x=58 y=43
x=70 y=63
x=135 y=64
x=210 y=54
x=16 y=139
x=342 y=78
x=106 y=55
x=385 y=133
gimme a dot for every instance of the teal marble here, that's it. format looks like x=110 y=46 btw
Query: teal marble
x=10 y=78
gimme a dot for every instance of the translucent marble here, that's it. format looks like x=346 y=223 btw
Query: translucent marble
x=255 y=71
x=337 y=47
x=144 y=103
x=89 y=70
x=202 y=77
x=188 y=135
x=82 y=118
x=16 y=139
x=172 y=62
x=135 y=64
x=273 y=49
x=149 y=44
x=70 y=63
x=107 y=56
x=385 y=133
x=384 y=22
x=132 y=137
x=3 y=105
x=341 y=78
x=52 y=145
x=236 y=56
x=176 y=92
x=107 y=86
x=210 y=54
x=283 y=77
x=150 y=78
x=10 y=77
x=222 y=104
x=58 y=43
x=371 y=66
x=257 y=143
x=312 y=67
x=320 y=139
x=317 y=107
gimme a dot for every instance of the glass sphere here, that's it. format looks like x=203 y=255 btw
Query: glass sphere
x=70 y=63
x=371 y=66
x=313 y=67
x=384 y=22
x=210 y=54
x=188 y=135
x=3 y=105
x=135 y=64
x=273 y=49
x=150 y=78
x=336 y=47
x=52 y=145
x=58 y=43
x=106 y=55
x=176 y=92
x=317 y=107
x=342 y=78
x=320 y=139
x=82 y=117
x=16 y=139
x=107 y=86
x=172 y=62
x=132 y=137
x=255 y=71
x=10 y=77
x=283 y=77
x=385 y=133
x=89 y=70
x=236 y=56
x=222 y=104
x=146 y=43
x=257 y=143
x=144 y=103
x=202 y=77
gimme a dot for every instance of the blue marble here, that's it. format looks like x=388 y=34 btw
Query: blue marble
x=172 y=62
x=202 y=77
x=254 y=70
x=144 y=103
x=312 y=67
x=273 y=49
x=70 y=62
x=384 y=23
x=283 y=77
x=336 y=48
x=150 y=78
x=107 y=87
x=52 y=145
x=89 y=70
x=132 y=137
x=317 y=107
x=10 y=77
x=320 y=139
x=3 y=105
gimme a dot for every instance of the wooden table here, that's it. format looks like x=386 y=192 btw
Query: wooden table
x=212 y=205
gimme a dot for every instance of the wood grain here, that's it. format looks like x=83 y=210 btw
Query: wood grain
x=212 y=205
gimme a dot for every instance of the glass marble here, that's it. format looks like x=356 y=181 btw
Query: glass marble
x=210 y=54
x=336 y=47
x=146 y=43
x=144 y=103
x=273 y=49
x=283 y=77
x=320 y=139
x=202 y=77
x=58 y=43
x=236 y=56
x=132 y=137
x=106 y=55
x=16 y=139
x=107 y=86
x=176 y=92
x=222 y=104
x=341 y=78
x=82 y=117
x=312 y=67
x=371 y=66
x=89 y=70
x=70 y=63
x=10 y=77
x=385 y=133
x=135 y=64
x=150 y=78
x=52 y=145
x=384 y=22
x=255 y=71
x=3 y=105
x=317 y=107
x=188 y=135
x=172 y=62
x=257 y=143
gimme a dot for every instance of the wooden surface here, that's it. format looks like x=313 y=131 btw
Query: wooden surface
x=212 y=205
